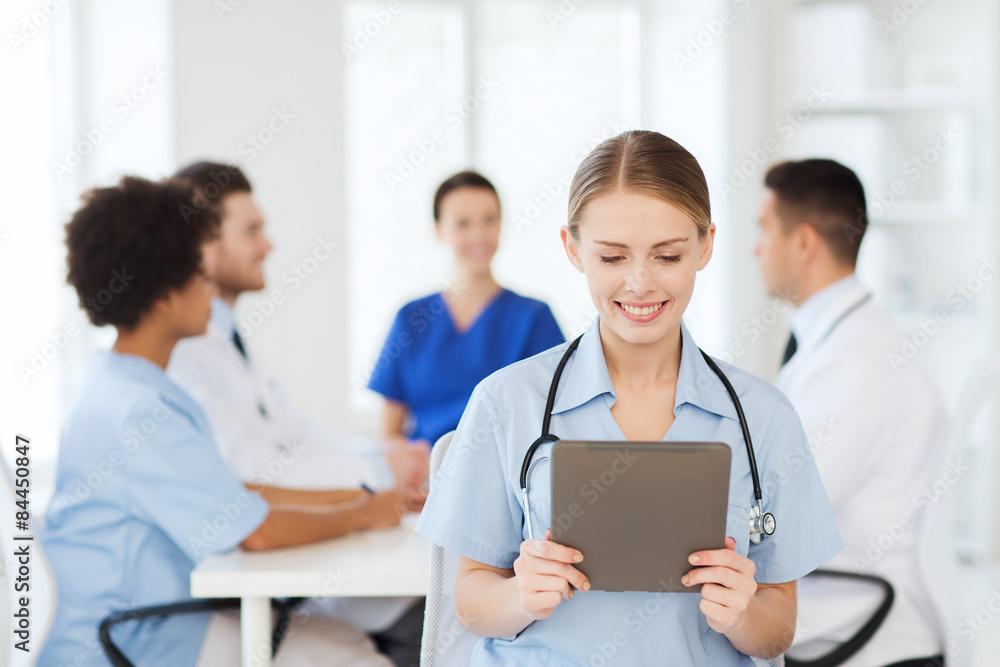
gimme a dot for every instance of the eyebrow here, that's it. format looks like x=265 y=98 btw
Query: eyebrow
x=612 y=244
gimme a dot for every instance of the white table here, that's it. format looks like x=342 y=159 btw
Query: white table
x=378 y=563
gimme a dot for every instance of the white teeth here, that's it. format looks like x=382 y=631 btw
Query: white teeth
x=641 y=312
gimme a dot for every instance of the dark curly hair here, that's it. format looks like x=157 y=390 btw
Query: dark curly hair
x=131 y=244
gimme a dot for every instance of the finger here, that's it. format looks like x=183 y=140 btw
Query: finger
x=724 y=597
x=568 y=572
x=723 y=576
x=546 y=583
x=724 y=558
x=415 y=501
x=718 y=615
x=548 y=533
x=544 y=602
x=731 y=544
x=552 y=551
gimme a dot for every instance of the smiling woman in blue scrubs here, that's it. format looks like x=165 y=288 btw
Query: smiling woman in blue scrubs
x=441 y=346
x=640 y=230
x=142 y=491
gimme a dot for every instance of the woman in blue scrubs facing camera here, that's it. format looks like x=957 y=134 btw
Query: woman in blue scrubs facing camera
x=441 y=346
x=639 y=229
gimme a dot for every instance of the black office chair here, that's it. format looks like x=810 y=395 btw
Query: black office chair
x=118 y=659
x=840 y=654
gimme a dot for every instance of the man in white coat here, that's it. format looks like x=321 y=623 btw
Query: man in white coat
x=876 y=427
x=262 y=436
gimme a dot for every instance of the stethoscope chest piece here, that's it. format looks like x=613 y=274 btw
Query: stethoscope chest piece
x=762 y=524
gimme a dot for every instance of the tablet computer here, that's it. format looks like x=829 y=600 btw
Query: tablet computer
x=637 y=510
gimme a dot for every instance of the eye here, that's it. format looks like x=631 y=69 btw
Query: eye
x=670 y=259
x=612 y=260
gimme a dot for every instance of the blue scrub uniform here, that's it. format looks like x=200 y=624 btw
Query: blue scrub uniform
x=142 y=495
x=475 y=509
x=432 y=367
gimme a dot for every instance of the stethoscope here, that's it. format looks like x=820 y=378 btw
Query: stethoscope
x=761 y=523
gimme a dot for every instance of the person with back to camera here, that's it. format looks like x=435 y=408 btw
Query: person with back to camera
x=640 y=230
x=441 y=346
x=878 y=427
x=170 y=500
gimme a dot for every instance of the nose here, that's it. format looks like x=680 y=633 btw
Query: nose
x=640 y=280
x=481 y=233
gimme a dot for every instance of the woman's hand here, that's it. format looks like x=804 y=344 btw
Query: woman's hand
x=545 y=576
x=409 y=461
x=727 y=585
x=385 y=509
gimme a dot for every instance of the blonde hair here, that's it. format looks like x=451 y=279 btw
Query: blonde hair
x=647 y=162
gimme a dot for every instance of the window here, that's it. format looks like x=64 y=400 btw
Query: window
x=521 y=91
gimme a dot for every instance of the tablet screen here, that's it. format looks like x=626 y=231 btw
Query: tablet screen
x=637 y=510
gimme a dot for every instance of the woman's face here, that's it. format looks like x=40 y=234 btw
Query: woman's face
x=640 y=255
x=469 y=222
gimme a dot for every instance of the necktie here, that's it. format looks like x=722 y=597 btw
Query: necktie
x=790 y=349
x=238 y=342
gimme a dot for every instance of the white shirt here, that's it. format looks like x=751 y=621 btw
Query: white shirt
x=260 y=434
x=265 y=439
x=877 y=434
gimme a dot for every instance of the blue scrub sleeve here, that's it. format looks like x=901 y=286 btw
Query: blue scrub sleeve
x=471 y=509
x=177 y=477
x=386 y=375
x=545 y=333
x=806 y=534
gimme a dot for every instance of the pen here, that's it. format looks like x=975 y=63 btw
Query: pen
x=367 y=489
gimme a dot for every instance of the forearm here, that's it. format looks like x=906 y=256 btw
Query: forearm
x=486 y=604
x=768 y=626
x=394 y=419
x=287 y=526
x=276 y=495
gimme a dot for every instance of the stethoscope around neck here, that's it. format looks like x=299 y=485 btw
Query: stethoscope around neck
x=762 y=523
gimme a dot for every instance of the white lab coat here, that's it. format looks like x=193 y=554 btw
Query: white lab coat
x=878 y=436
x=265 y=439
x=261 y=435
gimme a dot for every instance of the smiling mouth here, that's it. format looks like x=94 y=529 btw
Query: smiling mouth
x=641 y=313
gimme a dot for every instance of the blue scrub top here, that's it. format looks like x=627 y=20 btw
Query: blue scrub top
x=432 y=367
x=142 y=495
x=475 y=509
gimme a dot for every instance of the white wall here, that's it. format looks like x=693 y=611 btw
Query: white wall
x=753 y=92
x=236 y=70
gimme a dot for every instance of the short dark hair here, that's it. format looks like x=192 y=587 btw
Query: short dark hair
x=215 y=180
x=463 y=179
x=131 y=244
x=826 y=195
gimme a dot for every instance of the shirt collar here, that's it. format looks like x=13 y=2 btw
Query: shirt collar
x=135 y=366
x=222 y=316
x=140 y=368
x=586 y=377
x=813 y=319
